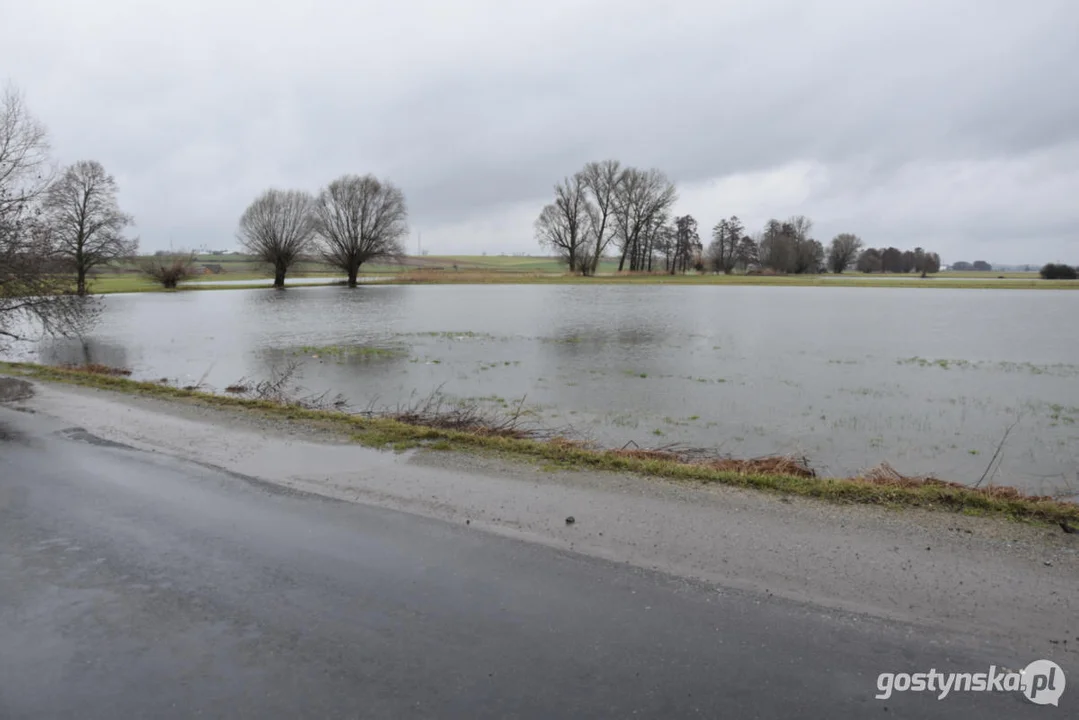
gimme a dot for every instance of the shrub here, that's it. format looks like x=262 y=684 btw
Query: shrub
x=169 y=269
x=1058 y=271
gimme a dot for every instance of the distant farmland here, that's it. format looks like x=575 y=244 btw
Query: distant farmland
x=238 y=266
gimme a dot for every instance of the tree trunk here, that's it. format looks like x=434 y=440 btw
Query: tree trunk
x=352 y=273
x=81 y=287
x=279 y=277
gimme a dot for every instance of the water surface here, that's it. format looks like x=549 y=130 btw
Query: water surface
x=927 y=380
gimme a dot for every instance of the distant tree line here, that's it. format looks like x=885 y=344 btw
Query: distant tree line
x=893 y=260
x=607 y=206
x=977 y=265
x=781 y=247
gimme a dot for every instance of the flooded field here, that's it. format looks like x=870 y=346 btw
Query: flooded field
x=927 y=380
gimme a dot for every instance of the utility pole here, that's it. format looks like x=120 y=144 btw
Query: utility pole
x=419 y=243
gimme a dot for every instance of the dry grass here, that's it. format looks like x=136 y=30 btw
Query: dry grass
x=97 y=369
x=280 y=389
x=885 y=475
x=769 y=465
x=426 y=425
x=438 y=412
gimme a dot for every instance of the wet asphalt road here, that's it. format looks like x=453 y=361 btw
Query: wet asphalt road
x=133 y=585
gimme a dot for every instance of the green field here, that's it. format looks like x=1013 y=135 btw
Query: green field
x=499 y=269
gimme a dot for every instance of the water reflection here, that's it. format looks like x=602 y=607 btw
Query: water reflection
x=88 y=351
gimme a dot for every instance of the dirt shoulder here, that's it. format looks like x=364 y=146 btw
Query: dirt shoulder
x=990 y=577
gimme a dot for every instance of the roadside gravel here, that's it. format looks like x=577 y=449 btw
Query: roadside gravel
x=993 y=578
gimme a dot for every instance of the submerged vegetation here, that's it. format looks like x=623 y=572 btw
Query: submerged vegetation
x=350 y=352
x=433 y=424
x=1057 y=369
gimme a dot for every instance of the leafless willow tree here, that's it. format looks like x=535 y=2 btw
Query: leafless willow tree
x=169 y=269
x=358 y=219
x=562 y=226
x=33 y=290
x=84 y=217
x=278 y=228
x=642 y=204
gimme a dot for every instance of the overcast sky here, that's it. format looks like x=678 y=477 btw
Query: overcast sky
x=951 y=124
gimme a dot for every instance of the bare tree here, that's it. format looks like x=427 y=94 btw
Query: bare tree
x=85 y=220
x=687 y=244
x=358 y=219
x=932 y=263
x=169 y=269
x=809 y=256
x=843 y=251
x=723 y=251
x=891 y=259
x=748 y=253
x=665 y=245
x=563 y=225
x=801 y=225
x=908 y=261
x=602 y=180
x=786 y=246
x=778 y=246
x=651 y=236
x=642 y=202
x=278 y=227
x=24 y=157
x=34 y=294
x=869 y=261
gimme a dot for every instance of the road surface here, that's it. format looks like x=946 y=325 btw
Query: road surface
x=138 y=585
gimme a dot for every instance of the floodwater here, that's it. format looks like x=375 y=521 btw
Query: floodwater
x=926 y=380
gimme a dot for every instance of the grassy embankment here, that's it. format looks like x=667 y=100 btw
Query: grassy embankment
x=465 y=269
x=381 y=432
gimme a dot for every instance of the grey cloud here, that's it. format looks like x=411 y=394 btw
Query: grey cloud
x=476 y=106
